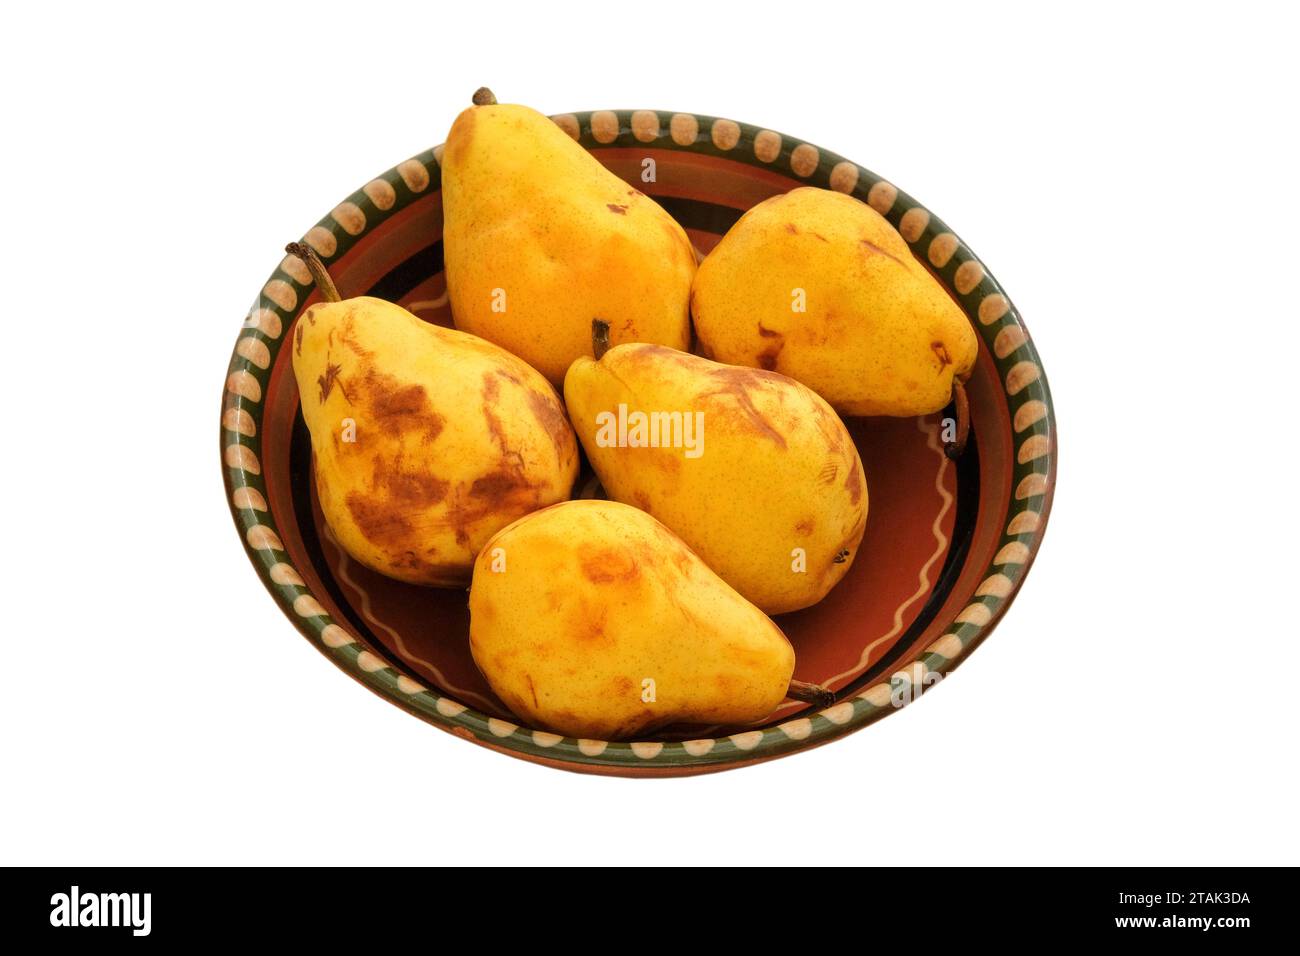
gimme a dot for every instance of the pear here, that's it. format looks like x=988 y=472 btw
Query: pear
x=591 y=619
x=539 y=237
x=426 y=440
x=819 y=286
x=753 y=470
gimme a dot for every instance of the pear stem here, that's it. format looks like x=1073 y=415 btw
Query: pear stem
x=954 y=448
x=484 y=97
x=328 y=291
x=810 y=693
x=599 y=338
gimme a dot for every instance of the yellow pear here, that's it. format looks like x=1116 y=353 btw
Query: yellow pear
x=426 y=441
x=819 y=286
x=592 y=619
x=751 y=469
x=540 y=238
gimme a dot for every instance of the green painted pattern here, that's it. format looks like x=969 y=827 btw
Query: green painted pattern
x=1032 y=482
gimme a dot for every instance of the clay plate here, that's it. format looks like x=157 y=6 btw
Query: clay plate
x=947 y=544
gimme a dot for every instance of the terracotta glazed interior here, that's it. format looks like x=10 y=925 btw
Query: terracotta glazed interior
x=931 y=527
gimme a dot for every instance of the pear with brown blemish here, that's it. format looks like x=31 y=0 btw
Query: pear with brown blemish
x=819 y=286
x=540 y=237
x=592 y=619
x=754 y=471
x=426 y=441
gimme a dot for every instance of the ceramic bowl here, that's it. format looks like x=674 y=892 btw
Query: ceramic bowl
x=947 y=545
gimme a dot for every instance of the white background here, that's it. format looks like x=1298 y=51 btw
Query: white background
x=1128 y=173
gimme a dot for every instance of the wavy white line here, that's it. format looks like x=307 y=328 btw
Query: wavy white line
x=923 y=577
x=923 y=586
x=443 y=685
x=423 y=304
